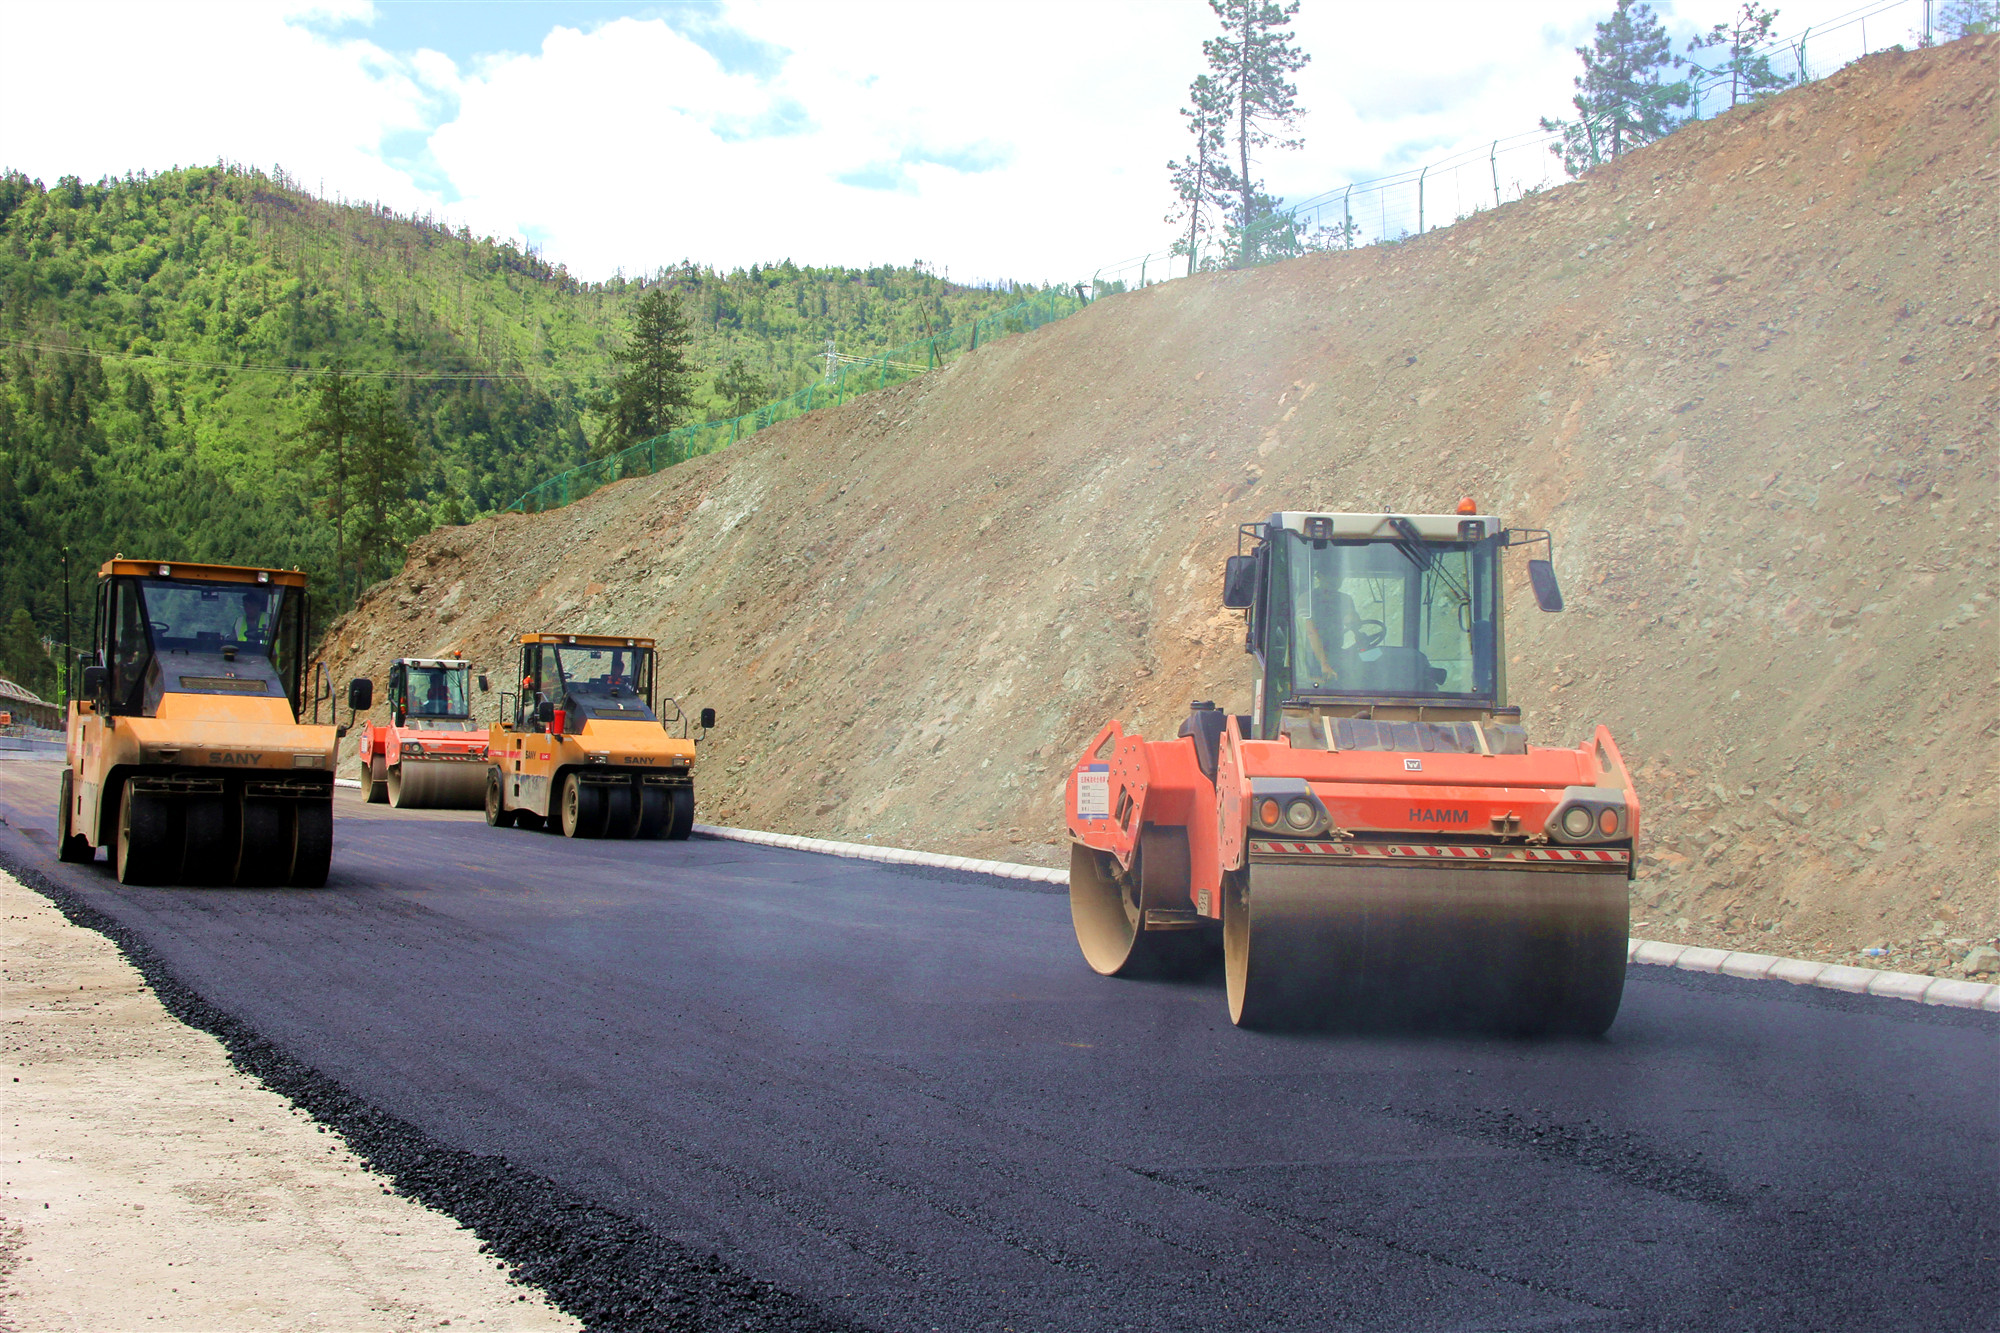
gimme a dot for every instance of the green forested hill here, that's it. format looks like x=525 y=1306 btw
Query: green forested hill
x=155 y=328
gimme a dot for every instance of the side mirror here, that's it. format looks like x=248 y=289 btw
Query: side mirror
x=1542 y=575
x=1239 y=582
x=93 y=681
x=545 y=712
x=483 y=686
x=360 y=694
x=707 y=718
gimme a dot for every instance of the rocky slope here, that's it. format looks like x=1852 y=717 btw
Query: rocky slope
x=1748 y=376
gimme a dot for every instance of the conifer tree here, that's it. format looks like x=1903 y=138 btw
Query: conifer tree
x=652 y=390
x=1737 y=41
x=383 y=465
x=741 y=389
x=1252 y=61
x=1622 y=98
x=1968 y=18
x=1202 y=180
x=324 y=446
x=22 y=659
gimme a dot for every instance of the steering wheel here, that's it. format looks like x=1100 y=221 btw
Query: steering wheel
x=1367 y=634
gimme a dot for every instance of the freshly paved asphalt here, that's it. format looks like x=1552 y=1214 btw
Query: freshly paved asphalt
x=902 y=1097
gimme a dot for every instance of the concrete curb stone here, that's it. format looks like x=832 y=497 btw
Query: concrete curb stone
x=1653 y=953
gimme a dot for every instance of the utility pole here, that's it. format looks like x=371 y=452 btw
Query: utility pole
x=69 y=654
x=1420 y=198
x=1493 y=160
x=832 y=356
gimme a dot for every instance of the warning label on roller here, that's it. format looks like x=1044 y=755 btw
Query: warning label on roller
x=1093 y=792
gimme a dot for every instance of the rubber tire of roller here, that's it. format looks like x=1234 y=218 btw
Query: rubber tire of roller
x=209 y=856
x=264 y=845
x=621 y=811
x=497 y=813
x=655 y=812
x=582 y=808
x=312 y=843
x=149 y=843
x=73 y=848
x=682 y=821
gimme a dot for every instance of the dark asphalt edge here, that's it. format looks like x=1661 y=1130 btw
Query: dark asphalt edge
x=609 y=1271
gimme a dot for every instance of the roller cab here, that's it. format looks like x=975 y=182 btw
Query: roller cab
x=187 y=760
x=1375 y=841
x=430 y=754
x=580 y=748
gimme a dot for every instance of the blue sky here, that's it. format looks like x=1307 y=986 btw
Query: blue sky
x=1022 y=139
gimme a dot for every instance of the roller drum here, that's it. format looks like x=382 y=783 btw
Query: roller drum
x=1360 y=947
x=433 y=784
x=1109 y=910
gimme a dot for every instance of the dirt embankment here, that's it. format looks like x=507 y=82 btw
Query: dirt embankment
x=1747 y=376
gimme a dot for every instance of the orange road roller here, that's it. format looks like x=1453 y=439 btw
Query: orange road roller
x=1375 y=843
x=430 y=754
x=580 y=748
x=186 y=754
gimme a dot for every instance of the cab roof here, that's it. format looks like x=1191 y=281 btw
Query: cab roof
x=1432 y=527
x=448 y=662
x=169 y=569
x=589 y=640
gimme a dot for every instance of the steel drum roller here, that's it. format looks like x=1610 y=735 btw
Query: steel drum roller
x=1352 y=946
x=431 y=784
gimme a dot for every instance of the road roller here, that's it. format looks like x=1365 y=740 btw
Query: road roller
x=430 y=754
x=186 y=757
x=580 y=749
x=1375 y=843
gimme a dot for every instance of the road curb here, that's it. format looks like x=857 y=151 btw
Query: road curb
x=1655 y=953
x=900 y=856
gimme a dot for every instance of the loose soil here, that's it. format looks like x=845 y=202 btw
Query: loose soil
x=1747 y=376
x=149 y=1185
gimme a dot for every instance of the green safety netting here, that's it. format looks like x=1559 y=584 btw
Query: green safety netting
x=853 y=375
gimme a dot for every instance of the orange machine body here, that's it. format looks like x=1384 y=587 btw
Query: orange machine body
x=601 y=764
x=428 y=752
x=191 y=750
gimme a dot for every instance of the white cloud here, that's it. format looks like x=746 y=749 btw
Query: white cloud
x=1024 y=139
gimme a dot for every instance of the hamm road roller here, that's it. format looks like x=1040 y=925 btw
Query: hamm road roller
x=584 y=749
x=186 y=754
x=430 y=754
x=1375 y=843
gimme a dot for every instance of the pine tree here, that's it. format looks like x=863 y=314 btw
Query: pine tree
x=741 y=389
x=22 y=659
x=652 y=390
x=1622 y=101
x=1251 y=62
x=1968 y=18
x=1749 y=72
x=384 y=462
x=1202 y=180
x=324 y=446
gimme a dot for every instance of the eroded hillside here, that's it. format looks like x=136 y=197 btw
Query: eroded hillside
x=1747 y=376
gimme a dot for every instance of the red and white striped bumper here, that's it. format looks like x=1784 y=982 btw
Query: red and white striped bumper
x=1287 y=849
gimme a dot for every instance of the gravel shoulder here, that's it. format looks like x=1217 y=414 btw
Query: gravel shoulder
x=146 y=1184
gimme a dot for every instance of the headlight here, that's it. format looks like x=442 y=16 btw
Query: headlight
x=1576 y=821
x=1301 y=815
x=413 y=748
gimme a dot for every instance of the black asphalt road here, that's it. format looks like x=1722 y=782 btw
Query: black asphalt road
x=902 y=1097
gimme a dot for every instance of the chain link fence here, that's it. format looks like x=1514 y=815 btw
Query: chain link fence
x=1436 y=194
